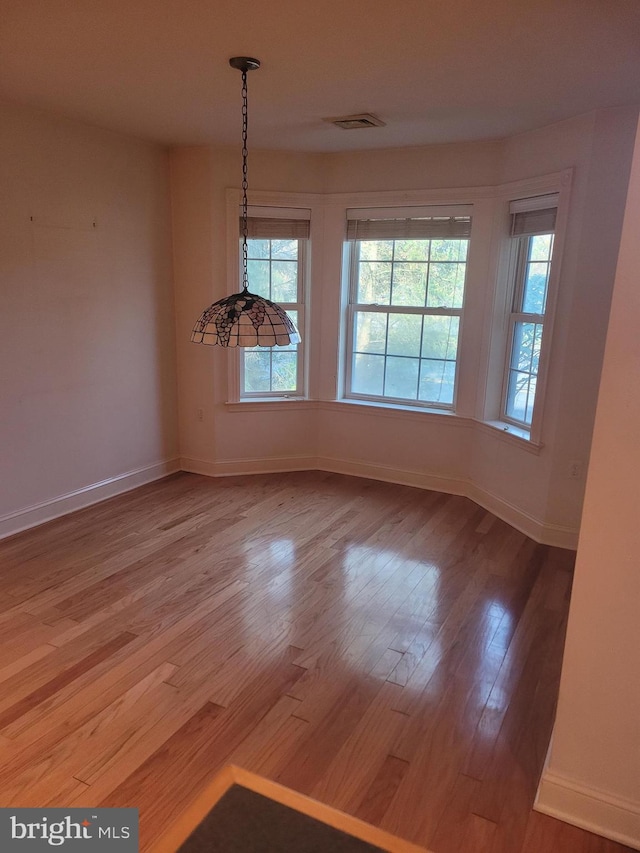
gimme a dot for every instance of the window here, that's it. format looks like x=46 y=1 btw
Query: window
x=532 y=229
x=406 y=292
x=276 y=269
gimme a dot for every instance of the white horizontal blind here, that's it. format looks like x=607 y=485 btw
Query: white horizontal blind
x=531 y=216
x=427 y=228
x=263 y=228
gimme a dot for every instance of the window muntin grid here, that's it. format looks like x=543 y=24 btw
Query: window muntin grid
x=405 y=309
x=526 y=326
x=275 y=270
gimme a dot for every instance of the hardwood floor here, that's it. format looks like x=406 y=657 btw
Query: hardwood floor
x=392 y=652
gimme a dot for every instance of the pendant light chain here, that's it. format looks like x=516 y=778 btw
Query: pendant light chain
x=245 y=319
x=245 y=183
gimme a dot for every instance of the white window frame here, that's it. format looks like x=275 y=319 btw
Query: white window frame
x=521 y=250
x=352 y=307
x=498 y=333
x=299 y=307
x=273 y=206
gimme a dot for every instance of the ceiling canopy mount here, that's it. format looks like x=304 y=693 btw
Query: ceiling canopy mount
x=244 y=63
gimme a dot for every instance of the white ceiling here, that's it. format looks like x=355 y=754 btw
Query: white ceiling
x=434 y=70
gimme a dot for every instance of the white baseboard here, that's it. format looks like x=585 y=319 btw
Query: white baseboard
x=387 y=474
x=590 y=809
x=544 y=533
x=48 y=510
x=31 y=516
x=233 y=467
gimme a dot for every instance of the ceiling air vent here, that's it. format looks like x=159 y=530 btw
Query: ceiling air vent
x=353 y=122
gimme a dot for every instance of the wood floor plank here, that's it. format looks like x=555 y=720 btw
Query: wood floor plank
x=347 y=778
x=204 y=745
x=135 y=745
x=36 y=654
x=19 y=708
x=93 y=748
x=382 y=790
x=69 y=708
x=114 y=731
x=391 y=651
x=479 y=835
x=311 y=761
x=451 y=833
x=276 y=734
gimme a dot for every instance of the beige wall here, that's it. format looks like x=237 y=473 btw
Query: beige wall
x=593 y=773
x=87 y=364
x=199 y=180
x=533 y=491
x=463 y=164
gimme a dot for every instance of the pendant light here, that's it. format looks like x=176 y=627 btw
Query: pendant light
x=245 y=319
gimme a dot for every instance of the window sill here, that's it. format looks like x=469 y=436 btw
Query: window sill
x=380 y=404
x=270 y=404
x=392 y=410
x=513 y=434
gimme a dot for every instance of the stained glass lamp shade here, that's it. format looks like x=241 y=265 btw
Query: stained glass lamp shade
x=245 y=320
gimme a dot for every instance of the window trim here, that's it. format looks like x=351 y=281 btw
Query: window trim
x=274 y=205
x=521 y=249
x=351 y=307
x=497 y=329
x=270 y=212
